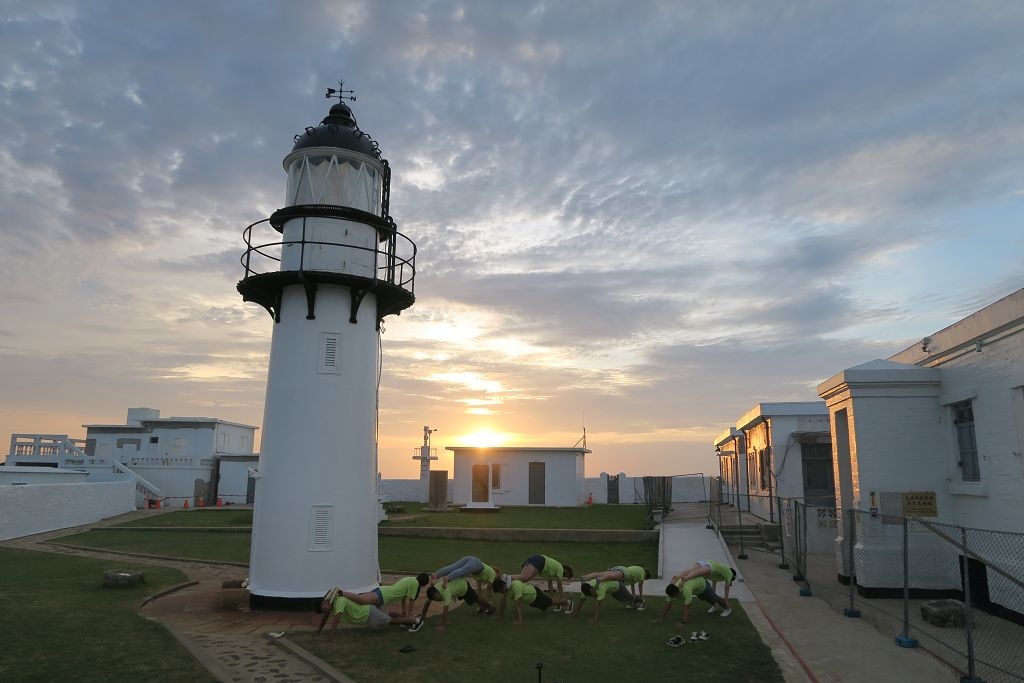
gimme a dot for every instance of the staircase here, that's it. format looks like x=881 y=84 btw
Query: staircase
x=762 y=535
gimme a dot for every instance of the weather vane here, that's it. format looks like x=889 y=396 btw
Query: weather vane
x=341 y=93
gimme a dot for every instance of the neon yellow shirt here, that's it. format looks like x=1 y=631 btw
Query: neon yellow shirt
x=552 y=568
x=719 y=572
x=403 y=588
x=486 y=574
x=688 y=590
x=523 y=591
x=350 y=611
x=456 y=588
x=634 y=574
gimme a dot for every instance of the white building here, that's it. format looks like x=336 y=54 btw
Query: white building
x=777 y=450
x=173 y=459
x=491 y=477
x=936 y=432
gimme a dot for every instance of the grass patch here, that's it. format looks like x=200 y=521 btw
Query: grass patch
x=191 y=545
x=396 y=553
x=59 y=624
x=587 y=517
x=623 y=646
x=196 y=518
x=426 y=554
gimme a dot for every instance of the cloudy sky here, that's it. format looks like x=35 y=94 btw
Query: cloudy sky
x=642 y=217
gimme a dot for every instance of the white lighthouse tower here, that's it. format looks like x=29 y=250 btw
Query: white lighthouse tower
x=328 y=267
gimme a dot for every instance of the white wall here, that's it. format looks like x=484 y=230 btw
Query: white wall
x=234 y=480
x=34 y=509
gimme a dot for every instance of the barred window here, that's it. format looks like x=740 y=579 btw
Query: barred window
x=967 y=445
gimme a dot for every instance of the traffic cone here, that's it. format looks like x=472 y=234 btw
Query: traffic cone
x=220 y=502
x=185 y=506
x=201 y=503
x=157 y=503
x=590 y=498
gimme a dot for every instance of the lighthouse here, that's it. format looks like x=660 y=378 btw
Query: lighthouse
x=328 y=267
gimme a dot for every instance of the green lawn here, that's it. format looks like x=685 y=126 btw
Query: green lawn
x=623 y=646
x=59 y=624
x=400 y=554
x=587 y=517
x=205 y=517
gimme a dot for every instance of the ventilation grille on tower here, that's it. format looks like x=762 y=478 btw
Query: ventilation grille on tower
x=330 y=353
x=321 y=527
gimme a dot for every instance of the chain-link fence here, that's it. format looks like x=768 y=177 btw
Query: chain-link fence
x=956 y=592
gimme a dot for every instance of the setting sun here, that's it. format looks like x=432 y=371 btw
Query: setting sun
x=483 y=438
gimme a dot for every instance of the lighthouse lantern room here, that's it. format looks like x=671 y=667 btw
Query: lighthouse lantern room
x=328 y=267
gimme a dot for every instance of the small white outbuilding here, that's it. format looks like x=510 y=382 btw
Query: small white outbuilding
x=517 y=475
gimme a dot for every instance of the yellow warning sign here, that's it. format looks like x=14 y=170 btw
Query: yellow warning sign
x=920 y=504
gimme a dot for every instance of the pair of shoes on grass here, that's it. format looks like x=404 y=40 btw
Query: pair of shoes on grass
x=703 y=635
x=726 y=612
x=417 y=624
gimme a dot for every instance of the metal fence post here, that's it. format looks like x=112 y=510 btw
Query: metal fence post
x=852 y=611
x=905 y=640
x=972 y=676
x=782 y=533
x=805 y=590
x=743 y=553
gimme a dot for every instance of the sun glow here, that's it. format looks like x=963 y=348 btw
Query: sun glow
x=483 y=438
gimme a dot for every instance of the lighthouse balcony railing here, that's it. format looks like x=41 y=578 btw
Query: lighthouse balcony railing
x=392 y=261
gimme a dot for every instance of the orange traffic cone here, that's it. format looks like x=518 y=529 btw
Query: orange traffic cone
x=201 y=503
x=590 y=498
x=157 y=503
x=185 y=506
x=220 y=502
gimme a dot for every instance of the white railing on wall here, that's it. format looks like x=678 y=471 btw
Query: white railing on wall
x=143 y=487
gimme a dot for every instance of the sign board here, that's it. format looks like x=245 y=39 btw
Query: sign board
x=920 y=504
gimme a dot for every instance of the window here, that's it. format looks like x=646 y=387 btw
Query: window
x=495 y=476
x=154 y=439
x=967 y=445
x=765 y=465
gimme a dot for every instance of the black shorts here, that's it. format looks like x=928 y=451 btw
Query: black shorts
x=542 y=601
x=709 y=593
x=535 y=560
x=469 y=597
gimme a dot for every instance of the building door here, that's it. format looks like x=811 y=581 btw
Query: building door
x=819 y=485
x=537 y=483
x=481 y=483
x=613 y=489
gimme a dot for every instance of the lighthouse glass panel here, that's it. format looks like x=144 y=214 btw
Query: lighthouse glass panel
x=335 y=180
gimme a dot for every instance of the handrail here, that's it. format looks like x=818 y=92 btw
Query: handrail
x=394 y=269
x=140 y=481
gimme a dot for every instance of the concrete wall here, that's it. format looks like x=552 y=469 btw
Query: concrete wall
x=33 y=509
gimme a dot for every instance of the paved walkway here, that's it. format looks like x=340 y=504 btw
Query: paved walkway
x=810 y=640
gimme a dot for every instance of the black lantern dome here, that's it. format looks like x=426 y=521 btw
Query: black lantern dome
x=338 y=129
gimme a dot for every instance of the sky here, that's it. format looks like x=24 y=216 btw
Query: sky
x=637 y=218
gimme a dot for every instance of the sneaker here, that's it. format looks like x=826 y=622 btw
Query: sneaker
x=568 y=606
x=704 y=635
x=676 y=641
x=693 y=637
x=641 y=606
x=416 y=625
x=629 y=606
x=558 y=608
x=713 y=609
x=491 y=611
x=726 y=612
